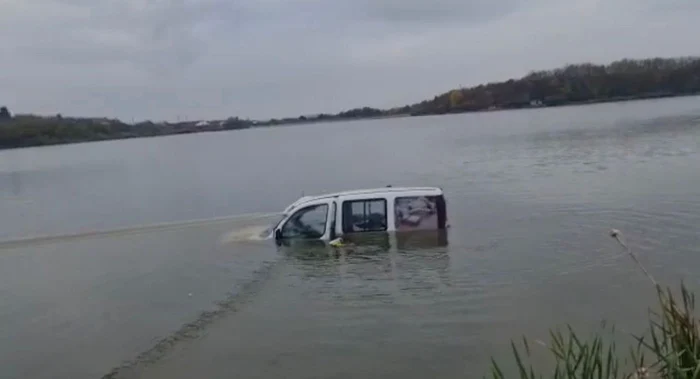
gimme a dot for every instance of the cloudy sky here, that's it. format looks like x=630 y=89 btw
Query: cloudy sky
x=195 y=59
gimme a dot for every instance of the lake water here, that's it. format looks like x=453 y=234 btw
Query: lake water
x=531 y=196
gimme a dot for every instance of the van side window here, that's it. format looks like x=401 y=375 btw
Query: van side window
x=417 y=213
x=364 y=216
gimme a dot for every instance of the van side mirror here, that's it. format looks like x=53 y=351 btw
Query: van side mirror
x=278 y=234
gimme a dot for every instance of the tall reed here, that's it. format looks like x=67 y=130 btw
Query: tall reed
x=672 y=343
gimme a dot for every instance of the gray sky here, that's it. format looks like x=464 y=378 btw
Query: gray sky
x=207 y=59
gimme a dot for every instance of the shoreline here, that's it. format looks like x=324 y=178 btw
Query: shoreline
x=103 y=138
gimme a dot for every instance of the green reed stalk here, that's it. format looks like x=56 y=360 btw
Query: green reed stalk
x=673 y=343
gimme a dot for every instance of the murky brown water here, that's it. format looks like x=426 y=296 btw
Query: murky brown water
x=531 y=197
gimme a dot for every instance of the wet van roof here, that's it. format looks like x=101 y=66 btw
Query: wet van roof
x=422 y=191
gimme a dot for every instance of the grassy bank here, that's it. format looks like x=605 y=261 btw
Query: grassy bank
x=668 y=349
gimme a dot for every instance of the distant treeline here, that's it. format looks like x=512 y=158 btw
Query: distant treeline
x=580 y=83
x=30 y=130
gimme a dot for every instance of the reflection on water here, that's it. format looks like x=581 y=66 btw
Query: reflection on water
x=16 y=183
x=372 y=269
x=420 y=240
x=335 y=312
x=10 y=185
x=367 y=245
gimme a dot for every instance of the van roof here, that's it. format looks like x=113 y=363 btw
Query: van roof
x=434 y=191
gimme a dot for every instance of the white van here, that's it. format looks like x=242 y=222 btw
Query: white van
x=329 y=216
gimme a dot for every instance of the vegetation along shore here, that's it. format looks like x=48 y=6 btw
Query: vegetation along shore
x=573 y=84
x=668 y=349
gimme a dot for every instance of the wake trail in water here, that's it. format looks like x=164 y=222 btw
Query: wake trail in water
x=195 y=329
x=248 y=233
x=245 y=227
x=237 y=235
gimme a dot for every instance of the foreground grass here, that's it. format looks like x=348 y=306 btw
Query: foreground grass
x=670 y=348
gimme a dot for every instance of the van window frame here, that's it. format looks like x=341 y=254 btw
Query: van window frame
x=347 y=212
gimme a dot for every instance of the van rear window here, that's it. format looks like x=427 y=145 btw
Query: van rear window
x=418 y=213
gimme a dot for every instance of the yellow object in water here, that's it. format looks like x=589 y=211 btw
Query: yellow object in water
x=338 y=242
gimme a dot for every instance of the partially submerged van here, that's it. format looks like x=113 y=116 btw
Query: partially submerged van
x=388 y=209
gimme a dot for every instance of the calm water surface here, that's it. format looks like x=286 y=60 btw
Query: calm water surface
x=531 y=197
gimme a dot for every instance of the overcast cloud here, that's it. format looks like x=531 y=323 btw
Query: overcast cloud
x=207 y=59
